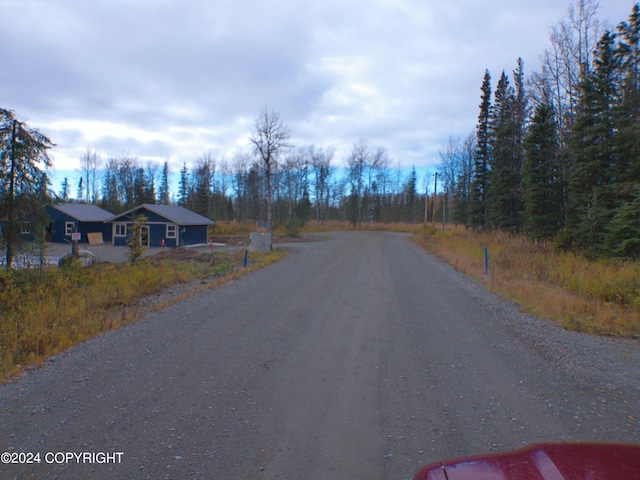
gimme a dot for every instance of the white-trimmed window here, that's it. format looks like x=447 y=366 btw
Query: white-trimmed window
x=69 y=228
x=172 y=231
x=120 y=230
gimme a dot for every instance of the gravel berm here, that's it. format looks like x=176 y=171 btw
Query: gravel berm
x=358 y=357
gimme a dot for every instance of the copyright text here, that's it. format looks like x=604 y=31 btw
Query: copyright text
x=61 y=458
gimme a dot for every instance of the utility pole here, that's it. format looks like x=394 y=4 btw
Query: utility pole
x=444 y=209
x=435 y=197
x=426 y=203
x=426 y=200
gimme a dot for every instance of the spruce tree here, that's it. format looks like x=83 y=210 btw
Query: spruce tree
x=411 y=195
x=64 y=190
x=183 y=188
x=504 y=198
x=593 y=181
x=202 y=191
x=541 y=179
x=480 y=182
x=24 y=182
x=627 y=124
x=623 y=234
x=163 y=195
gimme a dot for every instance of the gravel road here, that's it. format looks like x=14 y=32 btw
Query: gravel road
x=357 y=357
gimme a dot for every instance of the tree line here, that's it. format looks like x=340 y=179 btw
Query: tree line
x=305 y=182
x=557 y=155
x=275 y=182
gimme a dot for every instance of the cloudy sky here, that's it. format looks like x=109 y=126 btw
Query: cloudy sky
x=169 y=79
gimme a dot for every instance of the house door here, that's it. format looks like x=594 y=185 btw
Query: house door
x=144 y=235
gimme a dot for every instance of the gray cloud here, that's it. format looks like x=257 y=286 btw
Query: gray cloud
x=176 y=79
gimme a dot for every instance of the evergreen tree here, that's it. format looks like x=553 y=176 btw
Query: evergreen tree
x=64 y=190
x=139 y=187
x=202 y=194
x=623 y=235
x=183 y=188
x=504 y=198
x=541 y=181
x=23 y=180
x=627 y=124
x=411 y=195
x=507 y=153
x=593 y=181
x=230 y=214
x=80 y=193
x=110 y=190
x=164 y=197
x=480 y=182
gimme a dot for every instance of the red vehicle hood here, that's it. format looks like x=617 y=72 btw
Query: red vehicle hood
x=545 y=461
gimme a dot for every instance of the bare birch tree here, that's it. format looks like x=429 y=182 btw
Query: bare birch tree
x=270 y=138
x=89 y=165
x=321 y=164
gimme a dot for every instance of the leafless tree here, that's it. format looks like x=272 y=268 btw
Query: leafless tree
x=126 y=178
x=89 y=164
x=564 y=65
x=270 y=137
x=451 y=162
x=357 y=163
x=321 y=164
x=225 y=174
x=292 y=173
x=239 y=169
x=378 y=178
x=566 y=62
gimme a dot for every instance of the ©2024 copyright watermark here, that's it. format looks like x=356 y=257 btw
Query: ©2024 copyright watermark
x=60 y=458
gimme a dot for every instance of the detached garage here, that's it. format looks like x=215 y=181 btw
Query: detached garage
x=169 y=224
x=86 y=219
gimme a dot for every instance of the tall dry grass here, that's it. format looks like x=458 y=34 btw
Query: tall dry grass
x=340 y=226
x=598 y=297
x=42 y=313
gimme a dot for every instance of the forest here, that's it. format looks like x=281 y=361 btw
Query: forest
x=555 y=155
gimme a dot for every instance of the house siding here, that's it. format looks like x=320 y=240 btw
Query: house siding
x=193 y=235
x=60 y=219
x=185 y=234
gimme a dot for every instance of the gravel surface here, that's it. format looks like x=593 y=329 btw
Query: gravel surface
x=360 y=356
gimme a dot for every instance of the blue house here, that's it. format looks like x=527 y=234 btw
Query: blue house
x=79 y=217
x=170 y=225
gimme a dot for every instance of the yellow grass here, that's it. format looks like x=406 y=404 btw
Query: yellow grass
x=598 y=297
x=235 y=228
x=338 y=226
x=41 y=315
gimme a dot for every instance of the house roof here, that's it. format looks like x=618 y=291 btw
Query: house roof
x=173 y=213
x=83 y=212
